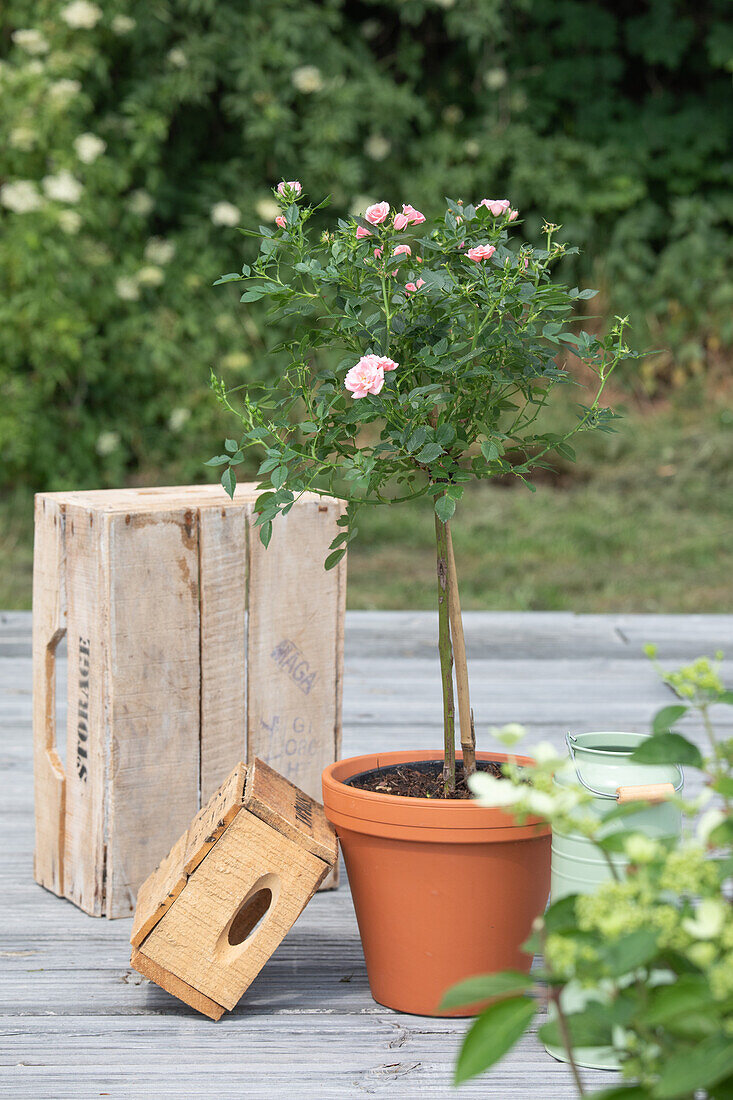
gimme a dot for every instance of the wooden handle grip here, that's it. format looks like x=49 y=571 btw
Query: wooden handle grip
x=652 y=792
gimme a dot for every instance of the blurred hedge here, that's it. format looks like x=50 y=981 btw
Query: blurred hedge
x=130 y=130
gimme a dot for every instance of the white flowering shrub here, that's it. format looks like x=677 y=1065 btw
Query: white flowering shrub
x=653 y=947
x=125 y=122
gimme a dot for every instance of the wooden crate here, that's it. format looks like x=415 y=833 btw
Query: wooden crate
x=190 y=646
x=231 y=888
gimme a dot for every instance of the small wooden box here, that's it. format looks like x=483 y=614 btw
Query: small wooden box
x=190 y=647
x=211 y=915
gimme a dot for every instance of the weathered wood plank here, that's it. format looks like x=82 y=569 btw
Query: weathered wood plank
x=294 y=646
x=223 y=578
x=501 y=633
x=541 y=634
x=153 y=706
x=378 y=1052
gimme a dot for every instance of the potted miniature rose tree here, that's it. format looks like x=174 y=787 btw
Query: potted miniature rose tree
x=420 y=357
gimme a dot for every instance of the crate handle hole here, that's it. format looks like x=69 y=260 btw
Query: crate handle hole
x=55 y=705
x=253 y=910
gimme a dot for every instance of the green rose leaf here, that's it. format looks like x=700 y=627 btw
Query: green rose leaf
x=491 y=450
x=334 y=558
x=417 y=439
x=229 y=481
x=279 y=476
x=429 y=453
x=445 y=506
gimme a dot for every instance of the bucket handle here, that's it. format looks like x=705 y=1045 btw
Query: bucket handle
x=655 y=792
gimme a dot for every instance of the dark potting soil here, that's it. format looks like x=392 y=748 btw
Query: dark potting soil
x=423 y=779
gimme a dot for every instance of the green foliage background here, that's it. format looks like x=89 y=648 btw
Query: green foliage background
x=610 y=117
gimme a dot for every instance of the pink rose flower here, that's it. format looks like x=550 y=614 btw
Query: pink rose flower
x=383 y=362
x=365 y=377
x=497 y=207
x=412 y=288
x=377 y=253
x=513 y=215
x=481 y=252
x=280 y=221
x=400 y=221
x=413 y=216
x=292 y=185
x=362 y=232
x=402 y=250
x=377 y=213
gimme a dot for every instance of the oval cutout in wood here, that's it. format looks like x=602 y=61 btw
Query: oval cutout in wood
x=249 y=916
x=253 y=911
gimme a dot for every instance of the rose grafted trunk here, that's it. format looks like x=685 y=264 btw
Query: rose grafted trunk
x=465 y=713
x=446 y=658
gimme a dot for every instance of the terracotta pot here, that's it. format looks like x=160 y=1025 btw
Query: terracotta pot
x=442 y=889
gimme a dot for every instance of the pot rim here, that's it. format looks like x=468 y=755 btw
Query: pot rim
x=451 y=820
x=580 y=746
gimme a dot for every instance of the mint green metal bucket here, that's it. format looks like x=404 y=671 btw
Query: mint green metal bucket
x=603 y=764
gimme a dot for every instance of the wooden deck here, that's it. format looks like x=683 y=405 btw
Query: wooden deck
x=77 y=1022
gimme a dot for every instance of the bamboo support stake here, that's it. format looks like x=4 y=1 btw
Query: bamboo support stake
x=446 y=658
x=465 y=714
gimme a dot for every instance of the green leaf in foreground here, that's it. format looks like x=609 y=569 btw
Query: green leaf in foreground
x=560 y=914
x=630 y=952
x=722 y=1090
x=494 y=1033
x=484 y=986
x=667 y=748
x=624 y=1092
x=688 y=992
x=697 y=1068
x=665 y=718
x=590 y=1028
